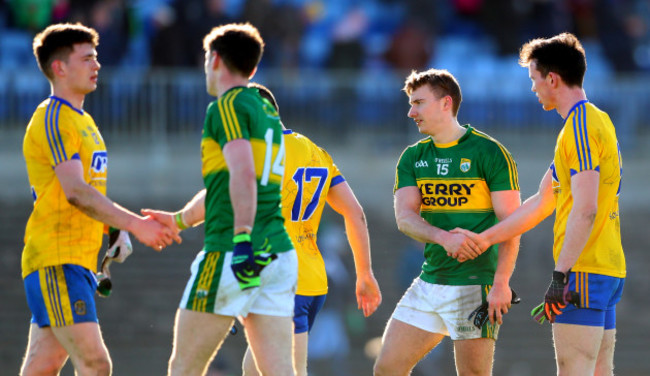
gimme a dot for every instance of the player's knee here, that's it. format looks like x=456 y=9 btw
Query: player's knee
x=98 y=365
x=575 y=361
x=42 y=366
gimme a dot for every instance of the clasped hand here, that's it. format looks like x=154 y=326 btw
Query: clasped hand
x=460 y=246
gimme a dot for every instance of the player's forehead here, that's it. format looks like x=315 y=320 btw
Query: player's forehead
x=533 y=72
x=422 y=93
x=83 y=50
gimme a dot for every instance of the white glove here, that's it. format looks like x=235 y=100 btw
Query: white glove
x=119 y=245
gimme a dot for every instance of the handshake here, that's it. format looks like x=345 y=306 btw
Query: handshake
x=155 y=229
x=464 y=245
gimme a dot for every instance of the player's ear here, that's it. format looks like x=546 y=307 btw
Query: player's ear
x=448 y=102
x=215 y=60
x=57 y=68
x=553 y=79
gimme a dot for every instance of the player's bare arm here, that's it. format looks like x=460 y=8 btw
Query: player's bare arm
x=192 y=214
x=500 y=296
x=342 y=199
x=90 y=201
x=533 y=211
x=407 y=214
x=584 y=187
x=243 y=182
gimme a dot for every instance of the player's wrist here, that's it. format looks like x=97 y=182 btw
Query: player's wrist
x=241 y=237
x=559 y=276
x=180 y=221
x=243 y=230
x=500 y=281
x=489 y=237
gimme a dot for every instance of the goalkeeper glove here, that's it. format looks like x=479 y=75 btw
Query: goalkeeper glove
x=480 y=314
x=263 y=257
x=557 y=297
x=119 y=245
x=243 y=262
x=246 y=264
x=119 y=248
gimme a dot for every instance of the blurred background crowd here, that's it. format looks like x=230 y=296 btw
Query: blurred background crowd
x=336 y=61
x=350 y=34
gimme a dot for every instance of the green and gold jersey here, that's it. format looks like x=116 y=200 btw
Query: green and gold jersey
x=242 y=113
x=455 y=181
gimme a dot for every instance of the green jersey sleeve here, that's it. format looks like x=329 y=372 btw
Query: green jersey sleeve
x=501 y=170
x=404 y=176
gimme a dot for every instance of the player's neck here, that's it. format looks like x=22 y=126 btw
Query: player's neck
x=449 y=133
x=74 y=98
x=228 y=81
x=568 y=98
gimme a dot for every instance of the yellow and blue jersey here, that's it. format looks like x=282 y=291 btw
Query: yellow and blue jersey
x=588 y=142
x=57 y=233
x=310 y=172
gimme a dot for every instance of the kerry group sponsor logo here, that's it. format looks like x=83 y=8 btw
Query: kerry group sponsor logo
x=446 y=194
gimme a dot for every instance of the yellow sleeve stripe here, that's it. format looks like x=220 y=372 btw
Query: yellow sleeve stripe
x=512 y=169
x=52 y=131
x=55 y=296
x=228 y=115
x=582 y=138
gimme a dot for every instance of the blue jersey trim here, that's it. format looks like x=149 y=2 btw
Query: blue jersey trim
x=337 y=180
x=81 y=112
x=574 y=107
x=58 y=133
x=582 y=138
x=47 y=131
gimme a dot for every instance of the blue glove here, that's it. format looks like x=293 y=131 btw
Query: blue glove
x=243 y=262
x=557 y=297
x=263 y=257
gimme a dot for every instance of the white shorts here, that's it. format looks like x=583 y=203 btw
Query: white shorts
x=213 y=287
x=444 y=309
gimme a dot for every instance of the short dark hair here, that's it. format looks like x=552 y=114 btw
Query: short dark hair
x=240 y=45
x=562 y=54
x=441 y=82
x=57 y=42
x=266 y=93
